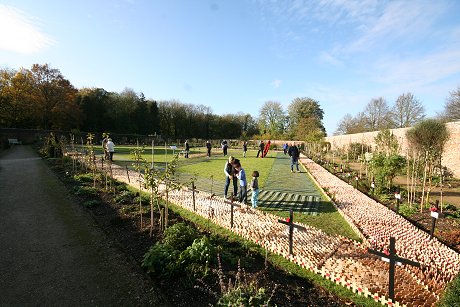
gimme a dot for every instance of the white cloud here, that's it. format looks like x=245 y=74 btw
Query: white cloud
x=276 y=83
x=20 y=33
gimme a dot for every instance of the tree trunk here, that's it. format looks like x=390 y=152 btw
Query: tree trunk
x=424 y=182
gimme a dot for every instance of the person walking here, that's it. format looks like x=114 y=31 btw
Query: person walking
x=208 y=148
x=285 y=148
x=294 y=153
x=230 y=173
x=224 y=147
x=245 y=148
x=241 y=175
x=187 y=149
x=261 y=149
x=266 y=149
x=255 y=189
x=110 y=149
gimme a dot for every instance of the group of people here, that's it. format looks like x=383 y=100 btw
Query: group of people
x=235 y=173
x=263 y=149
x=108 y=147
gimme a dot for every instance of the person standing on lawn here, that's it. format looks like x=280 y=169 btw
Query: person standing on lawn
x=110 y=149
x=187 y=149
x=224 y=147
x=245 y=148
x=208 y=148
x=241 y=175
x=230 y=175
x=294 y=154
x=261 y=149
x=255 y=188
x=285 y=148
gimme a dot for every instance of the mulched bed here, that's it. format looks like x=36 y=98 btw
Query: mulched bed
x=122 y=226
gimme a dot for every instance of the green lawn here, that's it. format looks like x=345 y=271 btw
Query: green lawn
x=280 y=189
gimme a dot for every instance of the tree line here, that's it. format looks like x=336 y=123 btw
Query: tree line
x=406 y=112
x=42 y=98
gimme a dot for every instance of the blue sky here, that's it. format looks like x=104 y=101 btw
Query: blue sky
x=234 y=55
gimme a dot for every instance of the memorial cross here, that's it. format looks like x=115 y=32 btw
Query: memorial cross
x=290 y=223
x=393 y=259
x=232 y=204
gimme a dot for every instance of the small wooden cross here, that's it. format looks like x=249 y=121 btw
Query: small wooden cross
x=290 y=223
x=193 y=194
x=393 y=259
x=232 y=204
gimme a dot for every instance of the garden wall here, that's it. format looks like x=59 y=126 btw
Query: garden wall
x=450 y=158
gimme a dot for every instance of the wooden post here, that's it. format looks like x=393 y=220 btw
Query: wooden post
x=127 y=173
x=232 y=204
x=393 y=259
x=290 y=223
x=193 y=195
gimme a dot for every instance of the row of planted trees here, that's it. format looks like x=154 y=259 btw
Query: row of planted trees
x=420 y=163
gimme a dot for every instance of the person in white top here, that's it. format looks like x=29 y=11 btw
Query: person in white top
x=110 y=149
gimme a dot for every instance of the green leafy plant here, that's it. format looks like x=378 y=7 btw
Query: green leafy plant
x=179 y=236
x=161 y=260
x=91 y=203
x=197 y=258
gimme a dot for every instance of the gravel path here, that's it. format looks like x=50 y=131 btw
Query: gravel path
x=52 y=252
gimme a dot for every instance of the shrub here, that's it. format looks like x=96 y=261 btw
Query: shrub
x=125 y=197
x=161 y=260
x=87 y=177
x=91 y=203
x=197 y=258
x=179 y=236
x=85 y=191
x=406 y=210
x=451 y=295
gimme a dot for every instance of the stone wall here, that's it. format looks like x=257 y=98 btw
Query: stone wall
x=450 y=158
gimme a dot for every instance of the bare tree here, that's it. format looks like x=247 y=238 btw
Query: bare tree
x=407 y=111
x=452 y=106
x=377 y=114
x=349 y=124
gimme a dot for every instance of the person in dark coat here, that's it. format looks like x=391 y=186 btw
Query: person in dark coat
x=294 y=153
x=261 y=148
x=208 y=147
x=187 y=149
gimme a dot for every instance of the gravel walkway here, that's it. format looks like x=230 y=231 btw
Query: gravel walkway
x=52 y=253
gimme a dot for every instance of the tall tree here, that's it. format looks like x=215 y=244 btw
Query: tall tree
x=272 y=119
x=349 y=124
x=407 y=111
x=56 y=104
x=305 y=119
x=427 y=139
x=452 y=106
x=17 y=93
x=377 y=114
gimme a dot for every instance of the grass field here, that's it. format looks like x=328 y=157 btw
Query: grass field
x=281 y=190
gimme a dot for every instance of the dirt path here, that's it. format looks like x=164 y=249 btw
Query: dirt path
x=52 y=253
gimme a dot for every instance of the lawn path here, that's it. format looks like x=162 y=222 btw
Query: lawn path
x=281 y=179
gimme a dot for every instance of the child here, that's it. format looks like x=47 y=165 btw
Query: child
x=255 y=188
x=243 y=183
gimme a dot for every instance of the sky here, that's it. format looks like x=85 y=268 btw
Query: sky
x=235 y=55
